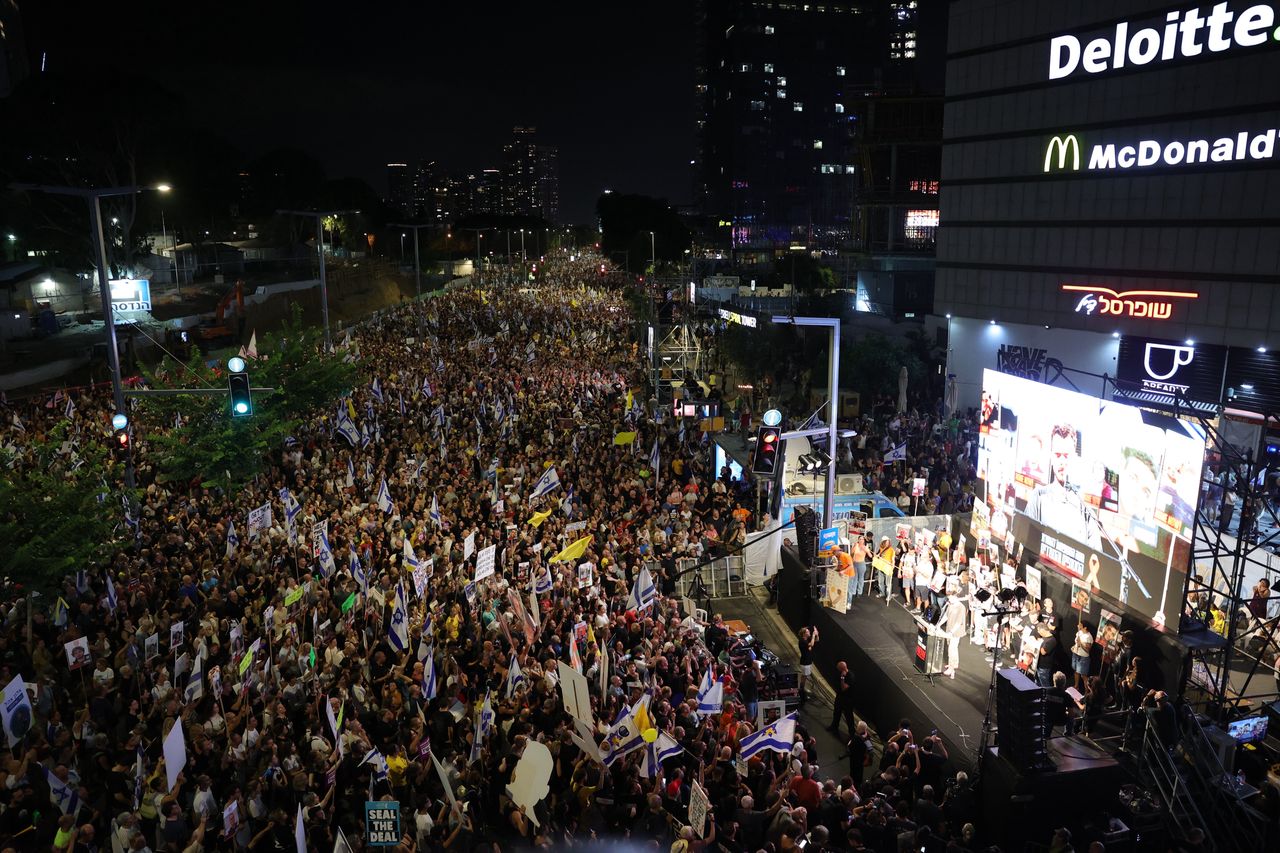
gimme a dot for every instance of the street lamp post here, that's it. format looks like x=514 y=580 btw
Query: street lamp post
x=833 y=375
x=417 y=266
x=324 y=288
x=653 y=255
x=402 y=236
x=94 y=198
x=523 y=259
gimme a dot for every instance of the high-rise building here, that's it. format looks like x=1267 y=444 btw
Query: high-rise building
x=547 y=183
x=778 y=85
x=519 y=173
x=400 y=192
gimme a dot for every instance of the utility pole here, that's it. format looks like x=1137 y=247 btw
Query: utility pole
x=417 y=266
x=94 y=198
x=324 y=289
x=479 y=232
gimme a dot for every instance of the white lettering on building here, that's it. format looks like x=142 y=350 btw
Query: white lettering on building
x=1185 y=33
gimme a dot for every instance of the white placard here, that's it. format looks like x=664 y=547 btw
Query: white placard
x=699 y=803
x=259 y=520
x=484 y=562
x=575 y=693
x=469 y=545
x=175 y=752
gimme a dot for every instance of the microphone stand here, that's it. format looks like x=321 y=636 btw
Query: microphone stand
x=1001 y=613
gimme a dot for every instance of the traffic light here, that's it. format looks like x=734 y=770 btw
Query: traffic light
x=768 y=449
x=238 y=383
x=122 y=440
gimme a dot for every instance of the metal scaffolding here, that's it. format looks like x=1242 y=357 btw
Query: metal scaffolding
x=680 y=359
x=1221 y=679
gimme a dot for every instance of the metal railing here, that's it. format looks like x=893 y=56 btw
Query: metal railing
x=1197 y=791
x=722 y=578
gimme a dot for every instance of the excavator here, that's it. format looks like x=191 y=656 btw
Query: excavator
x=219 y=331
x=222 y=330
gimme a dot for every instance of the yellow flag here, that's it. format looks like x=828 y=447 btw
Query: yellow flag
x=574 y=551
x=623 y=439
x=539 y=517
x=628 y=406
x=591 y=635
x=641 y=716
x=351 y=408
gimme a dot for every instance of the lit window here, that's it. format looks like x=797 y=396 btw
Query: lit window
x=782 y=81
x=768 y=68
x=768 y=30
x=839 y=70
x=817 y=144
x=744 y=67
x=797 y=106
x=909 y=54
x=911 y=43
x=782 y=93
x=920 y=226
x=757 y=105
x=839 y=108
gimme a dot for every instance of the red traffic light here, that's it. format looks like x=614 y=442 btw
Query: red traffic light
x=122 y=439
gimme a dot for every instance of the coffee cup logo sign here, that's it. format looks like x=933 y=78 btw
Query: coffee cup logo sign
x=1179 y=356
x=1170 y=370
x=1147 y=304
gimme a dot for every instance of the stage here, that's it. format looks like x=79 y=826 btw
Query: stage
x=878 y=642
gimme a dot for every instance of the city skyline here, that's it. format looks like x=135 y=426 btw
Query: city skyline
x=613 y=92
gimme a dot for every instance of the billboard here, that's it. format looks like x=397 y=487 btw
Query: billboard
x=1167 y=371
x=130 y=294
x=1102 y=491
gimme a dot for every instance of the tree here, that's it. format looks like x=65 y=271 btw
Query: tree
x=212 y=445
x=60 y=515
x=626 y=221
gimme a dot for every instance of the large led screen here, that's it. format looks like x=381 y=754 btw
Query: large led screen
x=1102 y=491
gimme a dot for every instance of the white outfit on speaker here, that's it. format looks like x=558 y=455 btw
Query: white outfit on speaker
x=952 y=624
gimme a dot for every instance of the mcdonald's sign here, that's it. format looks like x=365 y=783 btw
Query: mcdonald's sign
x=1067 y=149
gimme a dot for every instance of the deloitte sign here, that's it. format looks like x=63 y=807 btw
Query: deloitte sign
x=1063 y=152
x=1180 y=37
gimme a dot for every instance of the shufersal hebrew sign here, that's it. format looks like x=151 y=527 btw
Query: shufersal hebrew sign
x=1103 y=301
x=1185 y=33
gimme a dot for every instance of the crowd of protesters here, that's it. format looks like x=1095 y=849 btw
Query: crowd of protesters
x=347 y=652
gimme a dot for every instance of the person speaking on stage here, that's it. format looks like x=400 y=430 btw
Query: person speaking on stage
x=952 y=623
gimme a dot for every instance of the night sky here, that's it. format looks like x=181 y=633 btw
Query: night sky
x=358 y=85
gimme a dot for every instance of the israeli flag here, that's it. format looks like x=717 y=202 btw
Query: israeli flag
x=195 y=682
x=655 y=459
x=398 y=627
x=366 y=436
x=775 y=737
x=898 y=454
x=643 y=591
x=62 y=794
x=429 y=674
x=438 y=414
x=327 y=564
x=376 y=389
x=566 y=505
x=711 y=695
x=291 y=510
x=346 y=428
x=383 y=497
x=515 y=675
x=351 y=473
x=410 y=558
x=664 y=747
x=680 y=437
x=542 y=584
x=112 y=601
x=426 y=386
x=434 y=514
x=233 y=541
x=70 y=411
x=401 y=396
x=355 y=567
x=375 y=758
x=547 y=483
